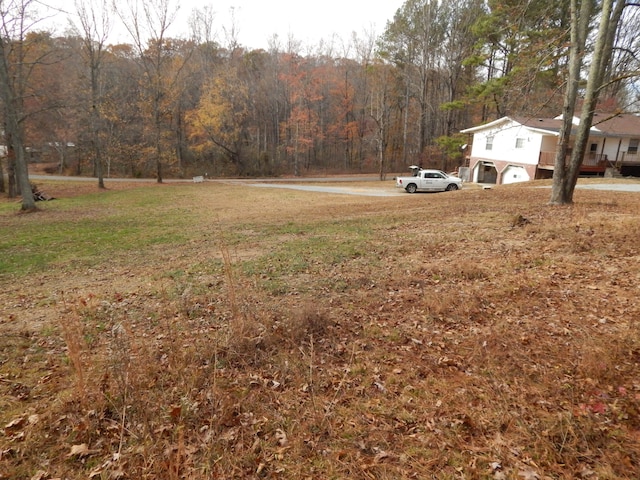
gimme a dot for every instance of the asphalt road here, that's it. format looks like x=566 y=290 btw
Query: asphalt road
x=617 y=187
x=380 y=190
x=366 y=192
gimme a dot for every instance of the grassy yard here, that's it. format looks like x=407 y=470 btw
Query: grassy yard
x=218 y=331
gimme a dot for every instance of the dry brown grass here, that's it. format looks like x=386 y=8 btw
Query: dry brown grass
x=303 y=335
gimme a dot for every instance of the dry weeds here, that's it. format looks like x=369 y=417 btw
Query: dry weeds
x=472 y=335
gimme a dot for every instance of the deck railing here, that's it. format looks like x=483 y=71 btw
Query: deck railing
x=590 y=159
x=628 y=158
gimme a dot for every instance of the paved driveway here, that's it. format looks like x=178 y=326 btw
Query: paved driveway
x=617 y=187
x=373 y=191
x=367 y=192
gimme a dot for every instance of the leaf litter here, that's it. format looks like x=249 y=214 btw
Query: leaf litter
x=466 y=347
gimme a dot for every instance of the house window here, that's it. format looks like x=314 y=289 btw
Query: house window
x=489 y=144
x=593 y=148
x=520 y=142
x=633 y=146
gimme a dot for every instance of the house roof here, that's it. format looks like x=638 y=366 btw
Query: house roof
x=485 y=126
x=552 y=125
x=542 y=125
x=621 y=125
x=604 y=124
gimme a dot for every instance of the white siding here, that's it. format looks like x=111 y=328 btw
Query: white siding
x=504 y=148
x=549 y=143
x=614 y=148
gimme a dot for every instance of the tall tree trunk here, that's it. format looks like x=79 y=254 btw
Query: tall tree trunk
x=14 y=133
x=2 y=183
x=21 y=170
x=11 y=169
x=601 y=56
x=564 y=186
x=405 y=121
x=95 y=127
x=580 y=17
x=157 y=135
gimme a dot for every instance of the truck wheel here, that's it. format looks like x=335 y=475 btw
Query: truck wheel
x=451 y=187
x=411 y=188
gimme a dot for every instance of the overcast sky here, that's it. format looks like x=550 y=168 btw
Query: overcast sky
x=258 y=20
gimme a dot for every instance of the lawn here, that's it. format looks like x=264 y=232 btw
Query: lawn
x=218 y=331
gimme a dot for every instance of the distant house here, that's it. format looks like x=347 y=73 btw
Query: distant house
x=517 y=149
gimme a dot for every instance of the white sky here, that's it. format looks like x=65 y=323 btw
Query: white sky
x=258 y=20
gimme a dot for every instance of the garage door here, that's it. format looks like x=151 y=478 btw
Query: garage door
x=486 y=173
x=513 y=174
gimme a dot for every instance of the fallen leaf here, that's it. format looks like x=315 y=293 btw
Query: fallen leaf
x=587 y=473
x=118 y=473
x=598 y=407
x=380 y=386
x=528 y=475
x=80 y=450
x=281 y=437
x=96 y=471
x=14 y=425
x=381 y=455
x=176 y=411
x=40 y=474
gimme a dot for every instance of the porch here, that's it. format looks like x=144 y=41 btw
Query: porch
x=628 y=159
x=592 y=162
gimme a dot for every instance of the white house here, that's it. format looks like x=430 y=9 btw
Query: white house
x=518 y=149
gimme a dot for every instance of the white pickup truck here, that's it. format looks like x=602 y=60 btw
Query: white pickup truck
x=424 y=180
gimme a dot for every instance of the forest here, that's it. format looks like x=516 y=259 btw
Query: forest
x=160 y=106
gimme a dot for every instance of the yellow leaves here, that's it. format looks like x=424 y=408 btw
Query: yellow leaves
x=222 y=111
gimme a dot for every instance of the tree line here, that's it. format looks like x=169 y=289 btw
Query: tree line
x=160 y=106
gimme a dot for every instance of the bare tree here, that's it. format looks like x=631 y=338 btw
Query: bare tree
x=14 y=72
x=201 y=24
x=95 y=24
x=380 y=114
x=148 y=22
